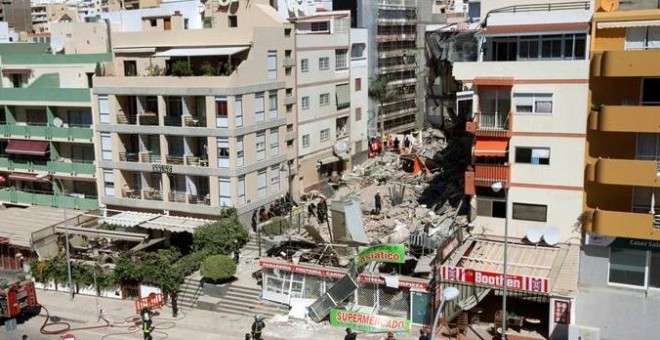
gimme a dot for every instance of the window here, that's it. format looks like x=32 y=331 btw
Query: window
x=320 y=26
x=287 y=32
x=153 y=22
x=224 y=189
x=104 y=110
x=240 y=156
x=650 y=93
x=324 y=99
x=109 y=182
x=106 y=146
x=305 y=141
x=261 y=145
x=274 y=142
x=272 y=106
x=82 y=154
x=627 y=266
x=538 y=156
x=272 y=65
x=223 y=153
x=324 y=64
x=358 y=84
x=357 y=51
x=528 y=48
x=572 y=46
x=325 y=135
x=233 y=21
x=530 y=212
x=491 y=208
x=533 y=103
x=305 y=102
x=221 y=114
x=341 y=61
x=551 y=47
x=642 y=38
x=643 y=198
x=238 y=111
x=274 y=179
x=259 y=107
x=648 y=146
x=241 y=190
x=261 y=184
x=304 y=65
x=358 y=114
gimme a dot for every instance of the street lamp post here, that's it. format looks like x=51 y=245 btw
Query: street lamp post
x=497 y=187
x=66 y=232
x=448 y=294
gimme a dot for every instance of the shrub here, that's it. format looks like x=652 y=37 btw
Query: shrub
x=218 y=238
x=218 y=268
x=181 y=69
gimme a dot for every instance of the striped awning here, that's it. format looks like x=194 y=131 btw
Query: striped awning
x=628 y=24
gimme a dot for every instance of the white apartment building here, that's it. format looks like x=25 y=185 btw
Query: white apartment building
x=324 y=95
x=527 y=93
x=191 y=120
x=359 y=71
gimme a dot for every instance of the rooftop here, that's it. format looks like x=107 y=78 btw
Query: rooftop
x=18 y=224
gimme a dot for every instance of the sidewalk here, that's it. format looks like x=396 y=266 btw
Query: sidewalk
x=191 y=324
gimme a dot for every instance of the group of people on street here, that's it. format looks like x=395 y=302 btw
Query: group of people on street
x=280 y=207
x=376 y=146
x=350 y=335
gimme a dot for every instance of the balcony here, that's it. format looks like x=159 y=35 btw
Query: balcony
x=74 y=168
x=491 y=125
x=44 y=131
x=509 y=70
x=46 y=199
x=289 y=100
x=484 y=175
x=643 y=226
x=631 y=63
x=625 y=118
x=289 y=62
x=630 y=172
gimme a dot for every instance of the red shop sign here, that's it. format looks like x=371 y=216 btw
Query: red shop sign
x=495 y=280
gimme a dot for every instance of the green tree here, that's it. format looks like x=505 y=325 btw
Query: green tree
x=181 y=69
x=218 y=268
x=218 y=238
x=379 y=92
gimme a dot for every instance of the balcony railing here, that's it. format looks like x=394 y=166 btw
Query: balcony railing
x=75 y=167
x=148 y=118
x=644 y=226
x=289 y=62
x=149 y=157
x=194 y=121
x=71 y=201
x=175 y=160
x=129 y=156
x=46 y=131
x=173 y=120
x=173 y=196
x=152 y=194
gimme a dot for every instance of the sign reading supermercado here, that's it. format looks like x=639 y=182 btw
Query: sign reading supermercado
x=495 y=280
x=337 y=273
x=368 y=322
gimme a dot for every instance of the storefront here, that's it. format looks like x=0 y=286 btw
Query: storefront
x=541 y=284
x=394 y=298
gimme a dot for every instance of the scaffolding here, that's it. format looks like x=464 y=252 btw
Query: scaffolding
x=397 y=60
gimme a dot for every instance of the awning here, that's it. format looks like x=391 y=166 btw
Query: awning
x=329 y=160
x=202 y=51
x=129 y=218
x=493 y=81
x=175 y=224
x=27 y=147
x=490 y=148
x=136 y=50
x=343 y=96
x=16 y=71
x=18 y=176
x=627 y=24
x=536 y=28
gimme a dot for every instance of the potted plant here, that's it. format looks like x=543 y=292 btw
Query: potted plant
x=218 y=272
x=181 y=69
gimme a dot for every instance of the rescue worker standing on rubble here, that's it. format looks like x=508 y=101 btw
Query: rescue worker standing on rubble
x=378 y=203
x=257 y=327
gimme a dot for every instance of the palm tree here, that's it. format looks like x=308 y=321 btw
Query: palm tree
x=379 y=92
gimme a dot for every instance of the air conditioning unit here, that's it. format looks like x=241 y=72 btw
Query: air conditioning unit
x=578 y=332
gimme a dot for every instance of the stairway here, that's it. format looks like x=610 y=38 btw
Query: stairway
x=190 y=291
x=243 y=300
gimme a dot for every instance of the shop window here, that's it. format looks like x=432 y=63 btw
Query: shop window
x=530 y=212
x=627 y=266
x=538 y=156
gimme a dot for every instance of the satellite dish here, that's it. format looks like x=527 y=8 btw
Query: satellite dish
x=309 y=9
x=534 y=234
x=293 y=6
x=341 y=147
x=57 y=122
x=551 y=236
x=56 y=45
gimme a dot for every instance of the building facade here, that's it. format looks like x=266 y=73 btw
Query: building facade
x=620 y=259
x=191 y=120
x=17 y=13
x=359 y=95
x=46 y=140
x=524 y=98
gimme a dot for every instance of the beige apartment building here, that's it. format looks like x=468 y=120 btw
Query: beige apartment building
x=190 y=120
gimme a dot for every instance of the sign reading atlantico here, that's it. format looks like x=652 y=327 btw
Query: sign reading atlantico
x=392 y=253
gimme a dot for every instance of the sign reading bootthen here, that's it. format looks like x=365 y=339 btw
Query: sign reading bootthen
x=495 y=280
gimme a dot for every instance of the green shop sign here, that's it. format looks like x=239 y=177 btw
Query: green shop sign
x=392 y=253
x=368 y=323
x=621 y=242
